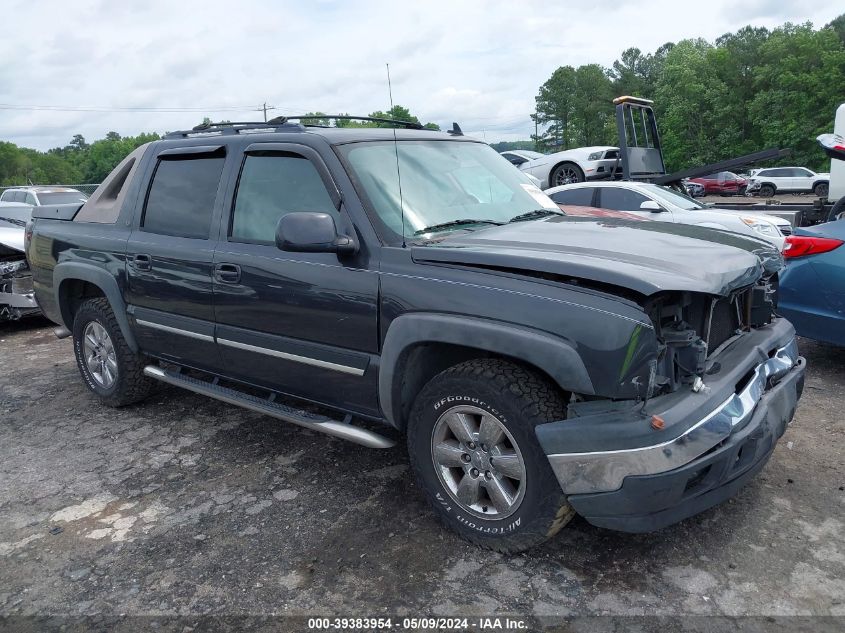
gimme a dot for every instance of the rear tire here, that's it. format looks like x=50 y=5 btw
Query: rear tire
x=109 y=367
x=767 y=191
x=489 y=480
x=565 y=174
x=821 y=189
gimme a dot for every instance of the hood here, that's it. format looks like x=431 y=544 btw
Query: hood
x=646 y=257
x=574 y=153
x=759 y=217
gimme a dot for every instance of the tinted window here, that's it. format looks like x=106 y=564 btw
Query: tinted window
x=181 y=197
x=582 y=197
x=20 y=196
x=797 y=172
x=272 y=186
x=620 y=199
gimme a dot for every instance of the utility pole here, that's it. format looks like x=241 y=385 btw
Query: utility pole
x=265 y=107
x=536 y=139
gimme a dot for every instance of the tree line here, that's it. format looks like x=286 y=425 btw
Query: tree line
x=747 y=91
x=750 y=90
x=81 y=162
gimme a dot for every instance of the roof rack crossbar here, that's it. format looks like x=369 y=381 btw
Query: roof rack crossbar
x=347 y=117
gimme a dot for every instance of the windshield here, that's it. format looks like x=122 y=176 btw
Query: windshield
x=442 y=182
x=674 y=198
x=61 y=197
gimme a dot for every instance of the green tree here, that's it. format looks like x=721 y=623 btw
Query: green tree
x=797 y=87
x=555 y=104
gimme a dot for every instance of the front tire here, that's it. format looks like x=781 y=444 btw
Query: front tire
x=565 y=174
x=473 y=448
x=108 y=366
x=767 y=191
x=821 y=189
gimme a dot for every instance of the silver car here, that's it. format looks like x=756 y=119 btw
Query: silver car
x=653 y=202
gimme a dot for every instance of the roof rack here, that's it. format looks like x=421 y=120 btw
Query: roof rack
x=347 y=117
x=234 y=127
x=286 y=124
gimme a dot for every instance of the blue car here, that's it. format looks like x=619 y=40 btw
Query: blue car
x=812 y=288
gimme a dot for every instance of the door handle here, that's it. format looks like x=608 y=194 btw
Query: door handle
x=142 y=262
x=227 y=273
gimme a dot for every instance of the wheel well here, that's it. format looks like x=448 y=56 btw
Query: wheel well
x=566 y=162
x=769 y=184
x=72 y=292
x=820 y=182
x=423 y=361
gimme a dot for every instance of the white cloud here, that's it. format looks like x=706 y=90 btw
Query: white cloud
x=478 y=63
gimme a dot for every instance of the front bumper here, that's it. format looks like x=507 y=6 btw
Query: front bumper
x=715 y=441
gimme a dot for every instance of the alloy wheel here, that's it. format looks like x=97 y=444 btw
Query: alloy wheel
x=478 y=462
x=100 y=356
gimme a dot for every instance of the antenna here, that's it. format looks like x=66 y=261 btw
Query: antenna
x=396 y=150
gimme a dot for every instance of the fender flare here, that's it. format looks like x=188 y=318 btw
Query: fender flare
x=104 y=281
x=550 y=353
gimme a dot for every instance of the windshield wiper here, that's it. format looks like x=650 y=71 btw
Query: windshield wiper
x=536 y=213
x=455 y=223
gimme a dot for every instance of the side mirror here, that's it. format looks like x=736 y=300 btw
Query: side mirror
x=309 y=232
x=651 y=205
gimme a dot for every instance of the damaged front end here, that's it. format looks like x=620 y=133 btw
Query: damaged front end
x=693 y=328
x=725 y=384
x=17 y=299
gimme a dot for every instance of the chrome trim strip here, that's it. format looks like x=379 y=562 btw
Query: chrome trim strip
x=293 y=357
x=603 y=471
x=175 y=330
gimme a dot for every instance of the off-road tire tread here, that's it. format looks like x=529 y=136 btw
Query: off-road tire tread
x=133 y=385
x=541 y=401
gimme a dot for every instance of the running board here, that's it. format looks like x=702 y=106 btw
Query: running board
x=277 y=410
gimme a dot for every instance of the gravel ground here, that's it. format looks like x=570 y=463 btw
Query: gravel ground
x=184 y=506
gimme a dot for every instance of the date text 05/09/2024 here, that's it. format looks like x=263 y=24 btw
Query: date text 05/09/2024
x=419 y=624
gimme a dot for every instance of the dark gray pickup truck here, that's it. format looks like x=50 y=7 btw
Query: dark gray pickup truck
x=539 y=364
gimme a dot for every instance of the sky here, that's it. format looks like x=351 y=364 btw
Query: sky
x=478 y=63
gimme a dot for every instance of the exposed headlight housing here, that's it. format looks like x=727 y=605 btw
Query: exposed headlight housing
x=595 y=156
x=761 y=226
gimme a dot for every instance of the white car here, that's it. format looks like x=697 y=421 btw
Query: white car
x=654 y=202
x=572 y=165
x=44 y=195
x=768 y=182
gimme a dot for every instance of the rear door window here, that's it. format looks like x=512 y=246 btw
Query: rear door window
x=181 y=198
x=618 y=199
x=581 y=197
x=271 y=186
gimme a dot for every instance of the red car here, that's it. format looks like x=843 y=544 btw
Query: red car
x=725 y=183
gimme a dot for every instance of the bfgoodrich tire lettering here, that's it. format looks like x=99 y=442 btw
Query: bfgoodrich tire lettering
x=128 y=383
x=519 y=400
